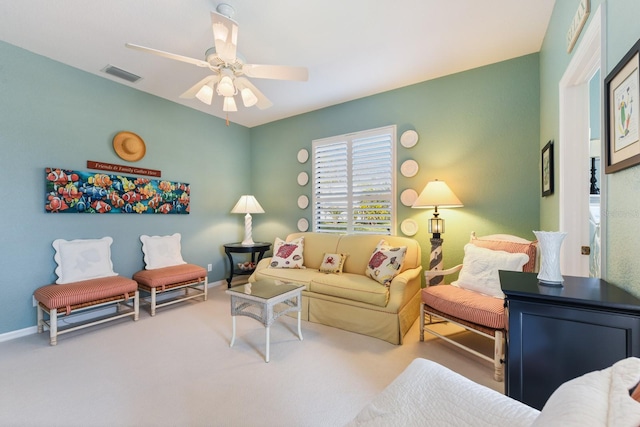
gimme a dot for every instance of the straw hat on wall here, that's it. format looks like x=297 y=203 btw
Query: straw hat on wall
x=129 y=146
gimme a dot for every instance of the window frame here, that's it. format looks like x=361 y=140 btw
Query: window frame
x=356 y=139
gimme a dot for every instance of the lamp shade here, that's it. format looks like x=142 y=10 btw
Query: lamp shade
x=247 y=204
x=437 y=194
x=205 y=94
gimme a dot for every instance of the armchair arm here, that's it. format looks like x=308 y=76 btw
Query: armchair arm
x=404 y=286
x=429 y=274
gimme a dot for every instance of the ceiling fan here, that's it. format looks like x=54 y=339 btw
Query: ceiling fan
x=229 y=68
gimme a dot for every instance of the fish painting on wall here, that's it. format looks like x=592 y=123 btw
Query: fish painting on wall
x=69 y=191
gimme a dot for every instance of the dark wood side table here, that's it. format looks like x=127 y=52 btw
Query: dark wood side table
x=257 y=248
x=555 y=334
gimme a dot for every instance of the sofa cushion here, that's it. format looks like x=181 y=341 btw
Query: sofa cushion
x=332 y=263
x=288 y=254
x=68 y=294
x=297 y=275
x=361 y=246
x=385 y=262
x=354 y=287
x=466 y=305
x=160 y=277
x=316 y=245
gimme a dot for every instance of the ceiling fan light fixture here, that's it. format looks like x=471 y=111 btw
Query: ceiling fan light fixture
x=225 y=85
x=205 y=94
x=249 y=99
x=229 y=104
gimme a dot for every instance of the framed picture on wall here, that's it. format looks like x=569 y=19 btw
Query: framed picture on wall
x=547 y=169
x=622 y=113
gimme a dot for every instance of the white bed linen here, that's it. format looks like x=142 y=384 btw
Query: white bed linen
x=428 y=394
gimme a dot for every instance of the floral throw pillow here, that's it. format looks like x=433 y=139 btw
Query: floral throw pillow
x=332 y=263
x=385 y=262
x=288 y=254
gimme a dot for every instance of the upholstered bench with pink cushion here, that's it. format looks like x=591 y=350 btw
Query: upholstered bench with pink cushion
x=474 y=306
x=166 y=271
x=188 y=277
x=86 y=280
x=62 y=300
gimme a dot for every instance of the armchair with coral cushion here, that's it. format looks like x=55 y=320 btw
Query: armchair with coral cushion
x=475 y=300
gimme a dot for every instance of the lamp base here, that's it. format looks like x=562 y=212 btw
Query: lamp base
x=435 y=261
x=248 y=239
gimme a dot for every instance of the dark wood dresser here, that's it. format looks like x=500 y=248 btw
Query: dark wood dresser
x=555 y=334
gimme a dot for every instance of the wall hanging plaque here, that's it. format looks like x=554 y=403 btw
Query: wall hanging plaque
x=303 y=224
x=409 y=168
x=303 y=155
x=408 y=196
x=69 y=191
x=409 y=138
x=303 y=178
x=409 y=227
x=303 y=202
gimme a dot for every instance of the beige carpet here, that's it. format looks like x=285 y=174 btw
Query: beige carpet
x=176 y=369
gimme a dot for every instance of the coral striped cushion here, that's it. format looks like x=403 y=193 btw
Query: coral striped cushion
x=68 y=294
x=169 y=275
x=511 y=247
x=465 y=304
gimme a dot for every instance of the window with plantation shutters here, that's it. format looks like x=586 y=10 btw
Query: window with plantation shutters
x=354 y=182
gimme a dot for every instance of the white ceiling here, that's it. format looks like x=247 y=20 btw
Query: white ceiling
x=352 y=48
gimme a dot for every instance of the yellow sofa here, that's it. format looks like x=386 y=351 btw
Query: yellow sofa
x=351 y=300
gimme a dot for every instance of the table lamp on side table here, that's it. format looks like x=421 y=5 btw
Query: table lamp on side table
x=247 y=205
x=436 y=193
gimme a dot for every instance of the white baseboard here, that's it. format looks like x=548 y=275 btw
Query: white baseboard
x=7 y=336
x=18 y=334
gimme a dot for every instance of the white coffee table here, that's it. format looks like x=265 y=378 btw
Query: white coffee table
x=265 y=301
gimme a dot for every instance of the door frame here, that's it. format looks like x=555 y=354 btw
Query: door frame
x=574 y=149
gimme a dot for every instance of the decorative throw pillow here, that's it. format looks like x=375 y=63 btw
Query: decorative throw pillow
x=161 y=251
x=512 y=247
x=480 y=269
x=83 y=259
x=332 y=263
x=385 y=262
x=288 y=254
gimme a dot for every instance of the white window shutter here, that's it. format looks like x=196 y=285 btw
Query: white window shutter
x=354 y=183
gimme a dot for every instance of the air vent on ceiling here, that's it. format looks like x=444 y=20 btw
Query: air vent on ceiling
x=120 y=73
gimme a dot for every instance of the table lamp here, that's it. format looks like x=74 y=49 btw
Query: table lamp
x=436 y=194
x=247 y=205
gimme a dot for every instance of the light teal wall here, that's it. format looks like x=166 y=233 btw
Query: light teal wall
x=622 y=211
x=54 y=115
x=478 y=132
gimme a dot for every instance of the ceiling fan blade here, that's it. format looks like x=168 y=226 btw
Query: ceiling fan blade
x=225 y=35
x=198 y=62
x=263 y=103
x=191 y=92
x=278 y=72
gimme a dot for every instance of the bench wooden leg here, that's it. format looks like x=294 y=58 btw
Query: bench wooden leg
x=136 y=306
x=498 y=356
x=153 y=301
x=206 y=287
x=40 y=319
x=53 y=326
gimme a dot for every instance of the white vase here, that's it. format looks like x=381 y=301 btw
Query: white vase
x=549 y=243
